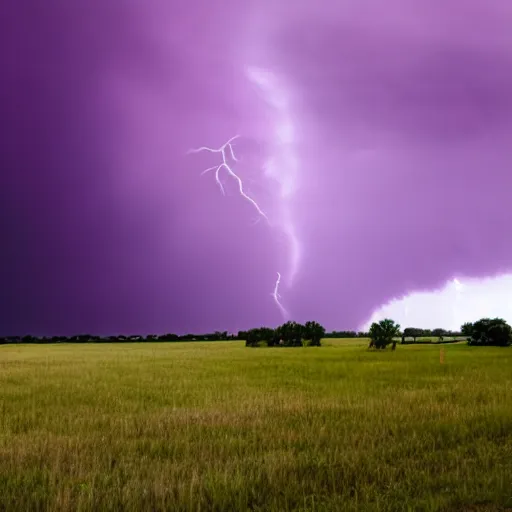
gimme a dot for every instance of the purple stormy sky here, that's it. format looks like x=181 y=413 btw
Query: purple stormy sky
x=375 y=136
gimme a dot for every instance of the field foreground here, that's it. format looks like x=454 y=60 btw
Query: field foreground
x=217 y=426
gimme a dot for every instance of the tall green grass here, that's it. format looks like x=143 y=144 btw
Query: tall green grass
x=217 y=426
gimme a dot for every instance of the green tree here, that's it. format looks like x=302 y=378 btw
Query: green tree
x=254 y=337
x=291 y=333
x=383 y=332
x=467 y=329
x=491 y=332
x=266 y=334
x=439 y=333
x=315 y=332
x=411 y=332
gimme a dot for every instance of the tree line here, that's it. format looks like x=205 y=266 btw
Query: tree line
x=415 y=332
x=151 y=338
x=409 y=332
x=346 y=334
x=484 y=332
x=291 y=332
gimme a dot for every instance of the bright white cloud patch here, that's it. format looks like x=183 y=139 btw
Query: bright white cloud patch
x=461 y=300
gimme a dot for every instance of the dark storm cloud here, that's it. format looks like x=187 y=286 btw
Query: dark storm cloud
x=404 y=114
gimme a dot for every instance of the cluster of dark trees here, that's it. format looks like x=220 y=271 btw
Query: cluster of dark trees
x=290 y=334
x=484 y=332
x=488 y=332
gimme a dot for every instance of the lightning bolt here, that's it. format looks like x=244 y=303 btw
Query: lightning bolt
x=227 y=167
x=277 y=297
x=223 y=150
x=282 y=167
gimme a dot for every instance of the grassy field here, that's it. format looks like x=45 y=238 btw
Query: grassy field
x=217 y=426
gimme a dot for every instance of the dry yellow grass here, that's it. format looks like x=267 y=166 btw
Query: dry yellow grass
x=217 y=426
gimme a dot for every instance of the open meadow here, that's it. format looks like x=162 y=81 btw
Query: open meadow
x=218 y=426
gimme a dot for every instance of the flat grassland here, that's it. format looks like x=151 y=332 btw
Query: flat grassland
x=217 y=426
